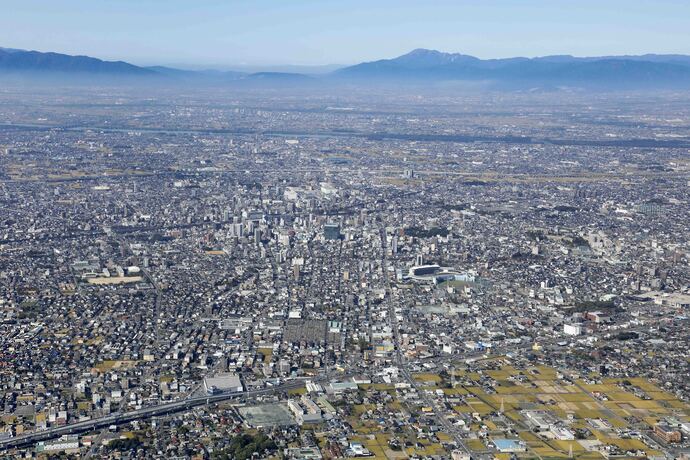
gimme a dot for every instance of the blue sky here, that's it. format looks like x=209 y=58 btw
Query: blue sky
x=221 y=33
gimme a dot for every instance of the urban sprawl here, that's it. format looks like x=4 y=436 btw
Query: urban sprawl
x=236 y=275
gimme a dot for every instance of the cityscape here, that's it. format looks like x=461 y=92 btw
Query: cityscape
x=281 y=269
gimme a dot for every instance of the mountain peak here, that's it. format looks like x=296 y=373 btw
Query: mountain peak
x=420 y=52
x=427 y=57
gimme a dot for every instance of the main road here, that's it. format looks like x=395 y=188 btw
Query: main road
x=143 y=413
x=450 y=429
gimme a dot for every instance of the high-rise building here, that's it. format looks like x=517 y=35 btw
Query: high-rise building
x=331 y=231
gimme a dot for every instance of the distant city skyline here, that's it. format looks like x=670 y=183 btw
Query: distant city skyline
x=222 y=34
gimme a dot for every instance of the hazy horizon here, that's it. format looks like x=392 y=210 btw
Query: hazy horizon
x=224 y=35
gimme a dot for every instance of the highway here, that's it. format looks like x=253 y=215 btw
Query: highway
x=143 y=413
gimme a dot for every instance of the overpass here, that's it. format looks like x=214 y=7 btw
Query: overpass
x=143 y=413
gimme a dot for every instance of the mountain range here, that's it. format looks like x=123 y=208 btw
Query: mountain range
x=420 y=66
x=14 y=60
x=625 y=71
